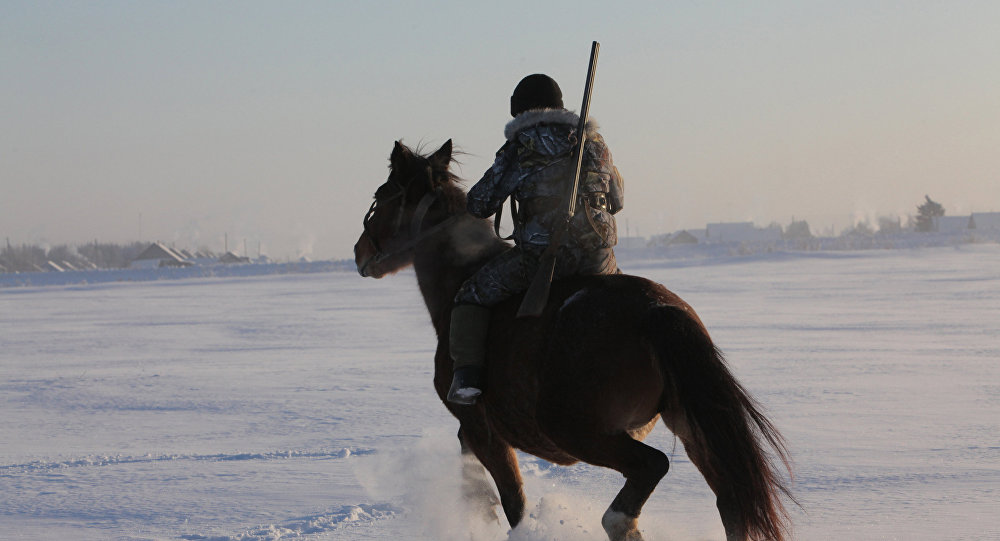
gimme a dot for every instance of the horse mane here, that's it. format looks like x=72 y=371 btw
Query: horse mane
x=470 y=241
x=452 y=191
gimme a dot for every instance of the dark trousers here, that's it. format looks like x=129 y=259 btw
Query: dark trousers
x=511 y=272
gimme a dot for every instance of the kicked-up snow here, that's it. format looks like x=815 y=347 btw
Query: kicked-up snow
x=300 y=406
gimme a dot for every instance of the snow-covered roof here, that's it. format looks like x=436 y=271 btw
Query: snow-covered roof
x=159 y=251
x=232 y=257
x=682 y=237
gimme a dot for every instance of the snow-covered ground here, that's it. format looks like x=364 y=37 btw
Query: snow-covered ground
x=300 y=405
x=201 y=270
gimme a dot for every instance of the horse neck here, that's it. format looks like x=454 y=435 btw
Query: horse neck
x=442 y=264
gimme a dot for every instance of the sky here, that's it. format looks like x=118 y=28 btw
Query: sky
x=270 y=123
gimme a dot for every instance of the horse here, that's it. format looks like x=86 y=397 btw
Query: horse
x=588 y=379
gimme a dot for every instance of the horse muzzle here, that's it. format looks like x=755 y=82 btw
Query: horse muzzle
x=364 y=256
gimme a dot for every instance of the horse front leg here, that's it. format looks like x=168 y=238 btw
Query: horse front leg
x=500 y=461
x=476 y=488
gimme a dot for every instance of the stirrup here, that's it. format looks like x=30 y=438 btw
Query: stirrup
x=466 y=386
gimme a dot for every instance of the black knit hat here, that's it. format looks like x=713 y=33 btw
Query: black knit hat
x=535 y=92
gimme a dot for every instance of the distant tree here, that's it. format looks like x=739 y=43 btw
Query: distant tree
x=926 y=214
x=23 y=258
x=106 y=255
x=64 y=253
x=889 y=226
x=798 y=229
x=863 y=229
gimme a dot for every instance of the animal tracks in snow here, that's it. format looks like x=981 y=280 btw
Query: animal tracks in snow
x=343 y=517
x=116 y=460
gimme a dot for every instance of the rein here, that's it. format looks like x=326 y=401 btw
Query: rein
x=417 y=234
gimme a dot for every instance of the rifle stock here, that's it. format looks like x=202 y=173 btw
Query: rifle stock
x=537 y=295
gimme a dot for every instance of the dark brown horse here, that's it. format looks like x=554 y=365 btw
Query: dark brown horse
x=587 y=380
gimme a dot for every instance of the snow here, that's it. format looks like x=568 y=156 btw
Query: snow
x=150 y=270
x=281 y=406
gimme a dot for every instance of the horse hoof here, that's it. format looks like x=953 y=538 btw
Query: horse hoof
x=620 y=527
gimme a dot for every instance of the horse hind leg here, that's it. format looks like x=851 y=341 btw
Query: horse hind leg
x=646 y=466
x=729 y=512
x=642 y=466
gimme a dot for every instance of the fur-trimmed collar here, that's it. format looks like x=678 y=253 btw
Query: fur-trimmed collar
x=534 y=117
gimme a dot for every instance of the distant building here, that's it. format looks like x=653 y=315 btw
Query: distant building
x=741 y=232
x=952 y=224
x=682 y=237
x=978 y=221
x=984 y=221
x=231 y=257
x=700 y=234
x=158 y=255
x=631 y=243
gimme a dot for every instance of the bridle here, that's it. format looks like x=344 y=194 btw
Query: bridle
x=417 y=233
x=397 y=223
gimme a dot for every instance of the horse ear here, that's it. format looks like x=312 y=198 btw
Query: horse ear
x=399 y=157
x=442 y=158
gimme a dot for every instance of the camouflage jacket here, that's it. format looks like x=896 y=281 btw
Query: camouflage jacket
x=535 y=167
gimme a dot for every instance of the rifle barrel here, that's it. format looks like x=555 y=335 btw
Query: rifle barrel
x=537 y=295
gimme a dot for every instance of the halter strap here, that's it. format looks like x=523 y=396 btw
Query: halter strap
x=417 y=235
x=421 y=211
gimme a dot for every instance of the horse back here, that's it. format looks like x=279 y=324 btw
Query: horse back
x=587 y=359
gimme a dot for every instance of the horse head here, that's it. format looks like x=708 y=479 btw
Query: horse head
x=418 y=197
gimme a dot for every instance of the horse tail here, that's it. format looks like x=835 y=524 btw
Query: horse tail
x=726 y=435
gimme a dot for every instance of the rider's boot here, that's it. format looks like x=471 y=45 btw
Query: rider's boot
x=469 y=326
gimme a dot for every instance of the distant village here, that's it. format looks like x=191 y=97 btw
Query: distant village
x=985 y=224
x=928 y=228
x=96 y=256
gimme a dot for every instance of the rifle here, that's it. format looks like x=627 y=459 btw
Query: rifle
x=537 y=295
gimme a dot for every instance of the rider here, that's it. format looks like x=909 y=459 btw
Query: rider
x=535 y=166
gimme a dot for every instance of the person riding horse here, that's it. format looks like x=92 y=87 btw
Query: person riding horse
x=535 y=167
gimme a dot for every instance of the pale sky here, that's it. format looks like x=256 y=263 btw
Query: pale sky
x=273 y=121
